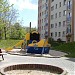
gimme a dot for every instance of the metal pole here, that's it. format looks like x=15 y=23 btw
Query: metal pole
x=30 y=26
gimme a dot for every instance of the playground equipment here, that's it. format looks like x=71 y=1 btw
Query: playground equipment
x=34 y=44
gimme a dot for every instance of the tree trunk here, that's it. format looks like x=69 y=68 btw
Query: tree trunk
x=0 y=34
x=5 y=32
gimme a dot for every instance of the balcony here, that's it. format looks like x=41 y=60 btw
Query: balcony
x=68 y=18
x=46 y=24
x=69 y=7
x=46 y=7
x=46 y=1
x=46 y=15
x=68 y=30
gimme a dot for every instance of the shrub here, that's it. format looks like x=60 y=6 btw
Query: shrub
x=59 y=40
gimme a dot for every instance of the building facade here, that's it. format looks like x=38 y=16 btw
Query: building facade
x=57 y=19
x=70 y=20
x=43 y=18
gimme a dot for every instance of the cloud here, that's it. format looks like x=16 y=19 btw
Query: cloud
x=24 y=4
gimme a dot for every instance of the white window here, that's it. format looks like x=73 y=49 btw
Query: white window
x=59 y=34
x=52 y=8
x=64 y=23
x=59 y=4
x=59 y=14
x=56 y=15
x=55 y=34
x=42 y=20
x=63 y=34
x=64 y=13
x=52 y=0
x=56 y=6
x=64 y=3
x=59 y=24
x=69 y=4
x=52 y=16
x=55 y=25
x=51 y=34
x=52 y=25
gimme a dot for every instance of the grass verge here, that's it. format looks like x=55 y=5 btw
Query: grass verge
x=8 y=43
x=68 y=48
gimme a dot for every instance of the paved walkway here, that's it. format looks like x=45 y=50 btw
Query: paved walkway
x=67 y=64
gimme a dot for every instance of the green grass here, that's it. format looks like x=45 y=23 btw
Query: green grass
x=8 y=43
x=68 y=48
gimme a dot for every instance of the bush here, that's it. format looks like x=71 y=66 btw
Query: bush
x=59 y=40
x=52 y=42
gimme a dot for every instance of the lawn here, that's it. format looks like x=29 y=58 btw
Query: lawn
x=68 y=48
x=8 y=43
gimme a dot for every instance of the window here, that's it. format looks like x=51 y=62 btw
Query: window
x=38 y=22
x=64 y=13
x=59 y=4
x=59 y=34
x=64 y=23
x=55 y=34
x=42 y=27
x=52 y=16
x=38 y=28
x=52 y=25
x=64 y=3
x=52 y=0
x=52 y=8
x=56 y=15
x=46 y=0
x=56 y=6
x=45 y=11
x=40 y=7
x=40 y=14
x=69 y=15
x=69 y=4
x=59 y=14
x=59 y=24
x=63 y=34
x=55 y=25
x=42 y=20
x=52 y=34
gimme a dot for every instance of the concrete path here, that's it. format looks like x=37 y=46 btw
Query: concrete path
x=67 y=64
x=57 y=53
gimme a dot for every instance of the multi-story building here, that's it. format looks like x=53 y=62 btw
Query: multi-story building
x=57 y=19
x=43 y=17
x=70 y=20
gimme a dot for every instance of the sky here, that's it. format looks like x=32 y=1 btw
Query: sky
x=28 y=11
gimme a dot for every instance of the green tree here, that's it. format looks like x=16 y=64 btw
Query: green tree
x=8 y=15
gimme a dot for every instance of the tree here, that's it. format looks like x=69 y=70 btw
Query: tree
x=8 y=15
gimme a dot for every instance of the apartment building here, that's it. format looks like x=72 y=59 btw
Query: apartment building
x=43 y=17
x=70 y=20
x=58 y=20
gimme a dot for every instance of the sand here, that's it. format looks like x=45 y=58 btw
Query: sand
x=28 y=72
